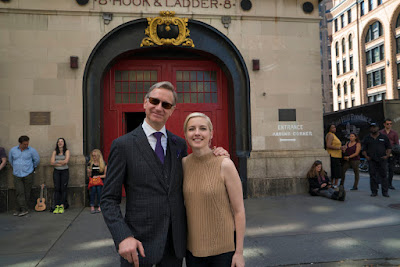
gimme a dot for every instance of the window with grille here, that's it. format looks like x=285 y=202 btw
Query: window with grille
x=196 y=86
x=131 y=86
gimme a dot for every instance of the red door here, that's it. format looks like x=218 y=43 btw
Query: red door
x=201 y=86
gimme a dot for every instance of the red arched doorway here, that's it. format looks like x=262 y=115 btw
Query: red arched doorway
x=200 y=85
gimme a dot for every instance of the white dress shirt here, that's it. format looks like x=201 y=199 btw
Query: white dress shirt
x=148 y=131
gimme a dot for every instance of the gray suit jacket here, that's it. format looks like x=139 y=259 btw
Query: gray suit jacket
x=154 y=198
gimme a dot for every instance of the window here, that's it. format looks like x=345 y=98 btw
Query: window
x=362 y=8
x=376 y=78
x=398 y=21
x=330 y=64
x=340 y=105
x=342 y=21
x=330 y=76
x=374 y=31
x=343 y=46
x=350 y=42
x=353 y=102
x=351 y=62
x=336 y=26
x=344 y=65
x=345 y=88
x=196 y=86
x=375 y=54
x=370 y=5
x=398 y=45
x=338 y=68
x=131 y=86
x=338 y=90
x=379 y=2
x=345 y=104
x=352 y=86
x=398 y=71
x=337 y=49
x=349 y=16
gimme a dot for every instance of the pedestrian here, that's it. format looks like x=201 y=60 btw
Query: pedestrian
x=320 y=185
x=351 y=159
x=3 y=158
x=376 y=149
x=23 y=159
x=334 y=148
x=148 y=162
x=394 y=141
x=59 y=159
x=96 y=171
x=213 y=198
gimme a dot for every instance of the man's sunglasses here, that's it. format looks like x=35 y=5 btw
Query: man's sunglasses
x=155 y=101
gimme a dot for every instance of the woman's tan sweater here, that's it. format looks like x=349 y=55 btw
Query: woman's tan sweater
x=209 y=215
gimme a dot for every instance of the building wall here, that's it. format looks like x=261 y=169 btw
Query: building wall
x=37 y=38
x=386 y=13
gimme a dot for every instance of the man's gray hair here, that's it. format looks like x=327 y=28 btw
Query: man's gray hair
x=164 y=85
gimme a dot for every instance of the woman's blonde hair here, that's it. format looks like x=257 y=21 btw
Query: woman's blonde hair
x=195 y=115
x=101 y=160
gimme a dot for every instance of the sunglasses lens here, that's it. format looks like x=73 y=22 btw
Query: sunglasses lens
x=166 y=105
x=155 y=101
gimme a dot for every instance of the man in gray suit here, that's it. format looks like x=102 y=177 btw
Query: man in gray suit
x=148 y=162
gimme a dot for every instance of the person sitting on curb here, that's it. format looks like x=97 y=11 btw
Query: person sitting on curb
x=320 y=184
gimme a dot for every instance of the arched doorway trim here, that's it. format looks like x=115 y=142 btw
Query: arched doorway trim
x=127 y=37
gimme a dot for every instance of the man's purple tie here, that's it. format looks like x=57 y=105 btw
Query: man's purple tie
x=159 y=149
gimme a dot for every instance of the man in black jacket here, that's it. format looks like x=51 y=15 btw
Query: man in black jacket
x=377 y=149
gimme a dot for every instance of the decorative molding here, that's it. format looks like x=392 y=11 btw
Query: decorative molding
x=167 y=30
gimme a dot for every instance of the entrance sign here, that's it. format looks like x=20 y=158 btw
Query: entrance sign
x=167 y=30
x=291 y=130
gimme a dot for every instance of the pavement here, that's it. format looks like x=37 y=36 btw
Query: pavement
x=297 y=230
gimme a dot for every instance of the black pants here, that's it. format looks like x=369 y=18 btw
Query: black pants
x=221 y=260
x=378 y=169
x=390 y=170
x=60 y=179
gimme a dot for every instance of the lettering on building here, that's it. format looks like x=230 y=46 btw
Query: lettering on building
x=291 y=130
x=209 y=4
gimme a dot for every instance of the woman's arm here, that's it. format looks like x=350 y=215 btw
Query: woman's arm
x=234 y=189
x=105 y=173
x=3 y=163
x=329 y=139
x=67 y=156
x=53 y=160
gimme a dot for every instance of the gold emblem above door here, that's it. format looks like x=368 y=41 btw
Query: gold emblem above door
x=167 y=30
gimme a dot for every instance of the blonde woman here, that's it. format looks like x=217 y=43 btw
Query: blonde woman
x=213 y=197
x=334 y=148
x=97 y=172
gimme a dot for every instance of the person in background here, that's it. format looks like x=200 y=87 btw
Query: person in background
x=213 y=197
x=3 y=158
x=351 y=159
x=23 y=159
x=97 y=168
x=394 y=140
x=334 y=148
x=59 y=159
x=377 y=149
x=320 y=184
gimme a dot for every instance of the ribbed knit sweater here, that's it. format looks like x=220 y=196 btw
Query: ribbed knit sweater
x=209 y=215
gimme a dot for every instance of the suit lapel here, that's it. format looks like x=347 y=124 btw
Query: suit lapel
x=148 y=154
x=173 y=150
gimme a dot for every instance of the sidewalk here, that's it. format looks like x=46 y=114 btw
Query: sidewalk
x=295 y=230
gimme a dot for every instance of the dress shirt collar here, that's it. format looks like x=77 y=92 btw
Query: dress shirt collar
x=148 y=130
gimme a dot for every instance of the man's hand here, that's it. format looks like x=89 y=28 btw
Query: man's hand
x=385 y=157
x=323 y=185
x=220 y=151
x=128 y=249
